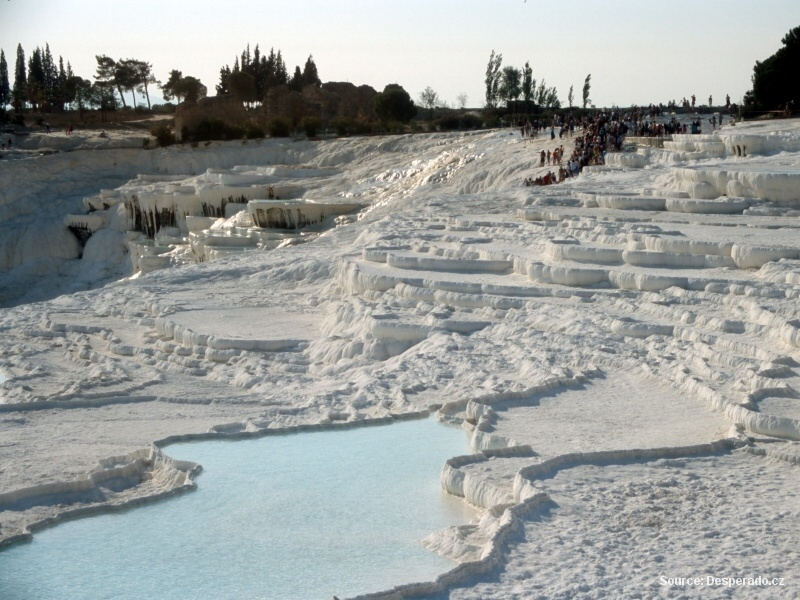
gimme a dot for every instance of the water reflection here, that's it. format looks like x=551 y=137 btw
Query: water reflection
x=299 y=516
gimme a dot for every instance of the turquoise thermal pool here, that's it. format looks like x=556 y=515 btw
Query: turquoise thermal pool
x=304 y=515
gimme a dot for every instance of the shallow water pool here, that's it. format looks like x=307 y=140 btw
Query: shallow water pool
x=305 y=515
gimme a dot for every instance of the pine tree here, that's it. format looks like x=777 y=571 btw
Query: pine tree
x=101 y=95
x=143 y=72
x=79 y=92
x=126 y=77
x=106 y=75
x=5 y=87
x=171 y=87
x=775 y=82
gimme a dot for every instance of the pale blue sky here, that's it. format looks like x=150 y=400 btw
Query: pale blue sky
x=637 y=51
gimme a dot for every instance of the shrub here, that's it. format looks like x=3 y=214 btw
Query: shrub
x=491 y=121
x=340 y=127
x=215 y=129
x=254 y=131
x=470 y=121
x=164 y=135
x=310 y=126
x=452 y=122
x=278 y=128
x=167 y=108
x=344 y=126
x=145 y=142
x=394 y=104
x=449 y=123
x=18 y=120
x=395 y=127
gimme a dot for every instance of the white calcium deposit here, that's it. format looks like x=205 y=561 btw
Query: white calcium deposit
x=624 y=348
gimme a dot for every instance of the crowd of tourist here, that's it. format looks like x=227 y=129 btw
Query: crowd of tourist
x=604 y=131
x=600 y=132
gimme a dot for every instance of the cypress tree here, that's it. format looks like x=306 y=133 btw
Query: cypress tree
x=20 y=80
x=5 y=87
x=528 y=85
x=222 y=86
x=296 y=83
x=36 y=79
x=281 y=74
x=50 y=79
x=61 y=85
x=310 y=74
x=587 y=84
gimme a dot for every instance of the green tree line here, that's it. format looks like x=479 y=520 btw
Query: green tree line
x=251 y=78
x=45 y=85
x=508 y=84
x=40 y=82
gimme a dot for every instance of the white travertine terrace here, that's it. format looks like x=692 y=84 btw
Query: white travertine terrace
x=637 y=326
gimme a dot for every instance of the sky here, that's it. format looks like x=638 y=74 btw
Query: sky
x=637 y=51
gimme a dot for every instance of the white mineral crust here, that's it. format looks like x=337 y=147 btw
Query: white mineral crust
x=624 y=348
